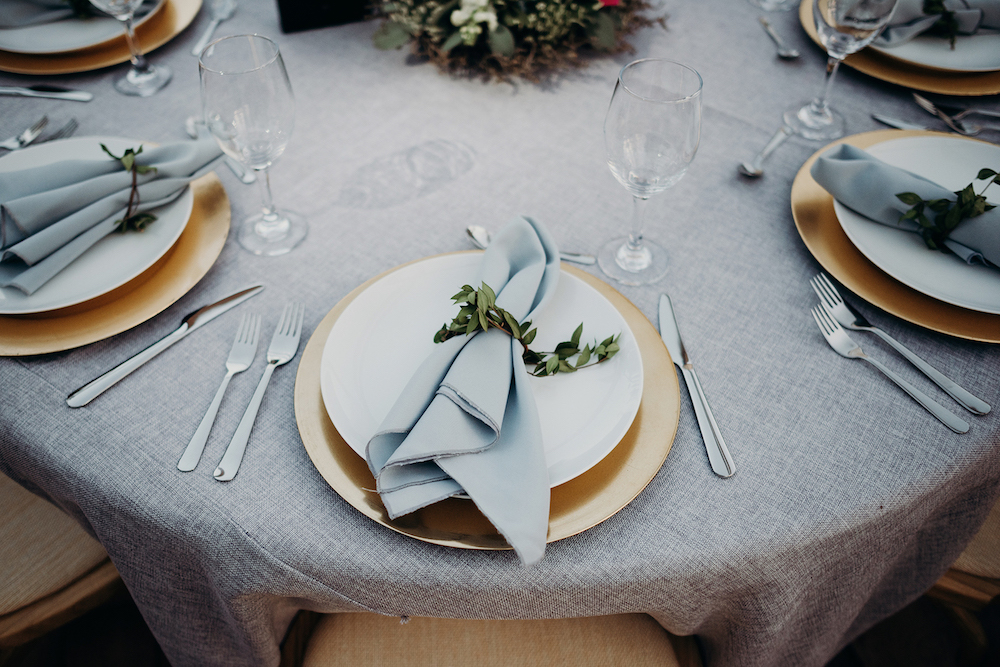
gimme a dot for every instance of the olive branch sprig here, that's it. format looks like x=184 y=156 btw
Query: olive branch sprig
x=948 y=213
x=946 y=25
x=133 y=221
x=479 y=311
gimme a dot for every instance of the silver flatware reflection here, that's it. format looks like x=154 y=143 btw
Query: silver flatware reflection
x=66 y=130
x=191 y=322
x=784 y=51
x=956 y=124
x=51 y=92
x=240 y=357
x=284 y=345
x=842 y=344
x=755 y=167
x=481 y=237
x=897 y=123
x=27 y=136
x=718 y=454
x=849 y=317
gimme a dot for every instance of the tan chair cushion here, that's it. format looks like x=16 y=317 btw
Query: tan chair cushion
x=982 y=556
x=41 y=549
x=362 y=639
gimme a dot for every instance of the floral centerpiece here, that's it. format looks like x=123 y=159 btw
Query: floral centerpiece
x=505 y=38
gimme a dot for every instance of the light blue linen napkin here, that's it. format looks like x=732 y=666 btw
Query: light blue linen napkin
x=909 y=19
x=467 y=420
x=52 y=214
x=869 y=186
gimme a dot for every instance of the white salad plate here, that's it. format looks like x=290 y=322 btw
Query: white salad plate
x=71 y=34
x=972 y=53
x=112 y=261
x=953 y=163
x=384 y=335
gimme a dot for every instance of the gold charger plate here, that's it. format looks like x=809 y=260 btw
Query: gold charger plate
x=897 y=71
x=169 y=22
x=812 y=209
x=138 y=300
x=577 y=505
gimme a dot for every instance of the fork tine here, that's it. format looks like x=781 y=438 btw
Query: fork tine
x=299 y=315
x=39 y=124
x=828 y=293
x=255 y=333
x=819 y=321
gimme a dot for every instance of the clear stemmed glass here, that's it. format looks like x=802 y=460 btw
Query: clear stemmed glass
x=143 y=79
x=844 y=27
x=651 y=134
x=775 y=5
x=249 y=108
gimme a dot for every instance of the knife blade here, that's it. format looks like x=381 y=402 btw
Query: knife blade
x=192 y=321
x=896 y=123
x=52 y=92
x=718 y=454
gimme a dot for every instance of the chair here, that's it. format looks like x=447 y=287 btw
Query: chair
x=364 y=639
x=51 y=571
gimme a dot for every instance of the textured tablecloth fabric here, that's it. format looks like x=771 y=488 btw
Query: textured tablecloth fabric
x=849 y=501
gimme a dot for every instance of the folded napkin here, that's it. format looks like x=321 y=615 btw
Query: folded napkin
x=52 y=214
x=909 y=19
x=22 y=13
x=869 y=186
x=467 y=420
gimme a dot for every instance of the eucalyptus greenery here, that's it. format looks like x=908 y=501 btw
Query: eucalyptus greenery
x=132 y=221
x=948 y=213
x=947 y=25
x=81 y=8
x=479 y=312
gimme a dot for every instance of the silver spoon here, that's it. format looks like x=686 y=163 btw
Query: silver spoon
x=755 y=169
x=784 y=52
x=481 y=237
x=221 y=10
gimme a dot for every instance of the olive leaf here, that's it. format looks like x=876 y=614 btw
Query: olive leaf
x=132 y=221
x=948 y=214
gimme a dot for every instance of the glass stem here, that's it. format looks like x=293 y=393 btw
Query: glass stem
x=819 y=104
x=638 y=217
x=269 y=212
x=138 y=60
x=271 y=225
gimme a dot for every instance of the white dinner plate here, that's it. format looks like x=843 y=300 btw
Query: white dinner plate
x=953 y=163
x=387 y=331
x=71 y=34
x=112 y=261
x=972 y=53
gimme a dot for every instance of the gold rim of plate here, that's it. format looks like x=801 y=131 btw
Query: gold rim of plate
x=816 y=221
x=143 y=297
x=579 y=504
x=169 y=21
x=894 y=70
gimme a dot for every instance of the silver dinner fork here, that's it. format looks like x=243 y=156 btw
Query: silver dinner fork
x=845 y=347
x=24 y=138
x=848 y=316
x=953 y=122
x=240 y=358
x=66 y=130
x=284 y=344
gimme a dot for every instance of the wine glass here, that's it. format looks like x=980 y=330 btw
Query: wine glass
x=844 y=27
x=651 y=134
x=249 y=108
x=775 y=5
x=143 y=79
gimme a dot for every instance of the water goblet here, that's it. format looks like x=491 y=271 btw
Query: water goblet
x=651 y=134
x=143 y=79
x=249 y=108
x=775 y=5
x=844 y=27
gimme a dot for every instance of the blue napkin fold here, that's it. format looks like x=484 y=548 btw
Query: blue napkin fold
x=467 y=422
x=869 y=186
x=52 y=214
x=909 y=20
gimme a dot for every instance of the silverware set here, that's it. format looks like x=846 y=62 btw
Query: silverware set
x=833 y=314
x=31 y=134
x=954 y=117
x=283 y=347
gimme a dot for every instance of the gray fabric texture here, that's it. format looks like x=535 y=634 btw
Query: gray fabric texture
x=849 y=500
x=909 y=20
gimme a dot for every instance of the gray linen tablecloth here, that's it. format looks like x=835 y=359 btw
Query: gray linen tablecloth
x=849 y=501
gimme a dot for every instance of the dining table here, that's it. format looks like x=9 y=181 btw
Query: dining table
x=849 y=500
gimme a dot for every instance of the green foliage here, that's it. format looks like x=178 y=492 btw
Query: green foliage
x=947 y=25
x=948 y=214
x=478 y=312
x=132 y=221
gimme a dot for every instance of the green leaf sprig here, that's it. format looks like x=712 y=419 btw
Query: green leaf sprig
x=134 y=221
x=480 y=312
x=948 y=213
x=81 y=8
x=947 y=25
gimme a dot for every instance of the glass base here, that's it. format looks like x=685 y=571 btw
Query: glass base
x=808 y=122
x=144 y=84
x=273 y=237
x=633 y=267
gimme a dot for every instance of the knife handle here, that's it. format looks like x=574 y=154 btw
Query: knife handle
x=99 y=385
x=71 y=95
x=718 y=454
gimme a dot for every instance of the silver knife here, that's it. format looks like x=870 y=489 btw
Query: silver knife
x=52 y=92
x=198 y=318
x=896 y=123
x=718 y=454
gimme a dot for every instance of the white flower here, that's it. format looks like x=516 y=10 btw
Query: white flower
x=489 y=17
x=474 y=12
